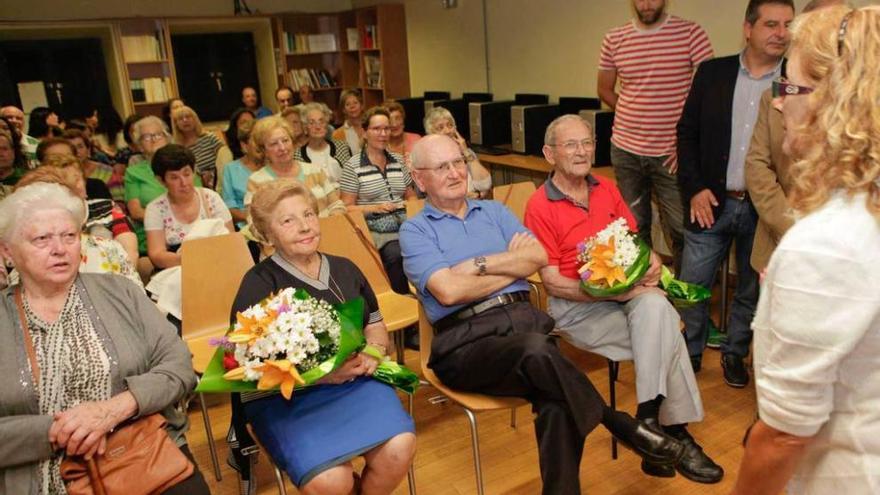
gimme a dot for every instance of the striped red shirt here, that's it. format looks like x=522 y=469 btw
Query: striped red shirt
x=654 y=68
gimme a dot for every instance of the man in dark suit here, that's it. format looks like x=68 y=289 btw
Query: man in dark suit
x=713 y=139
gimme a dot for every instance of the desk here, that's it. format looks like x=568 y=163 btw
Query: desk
x=510 y=168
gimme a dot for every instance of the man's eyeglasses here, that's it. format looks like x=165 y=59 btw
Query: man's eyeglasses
x=445 y=168
x=571 y=147
x=781 y=87
x=152 y=137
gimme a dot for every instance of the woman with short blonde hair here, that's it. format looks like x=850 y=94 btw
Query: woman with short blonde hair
x=817 y=326
x=211 y=154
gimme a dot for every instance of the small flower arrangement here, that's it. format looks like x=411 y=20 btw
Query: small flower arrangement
x=613 y=260
x=290 y=340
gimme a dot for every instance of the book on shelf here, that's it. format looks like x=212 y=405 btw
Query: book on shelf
x=353 y=38
x=150 y=90
x=370 y=40
x=315 y=78
x=310 y=43
x=373 y=71
x=142 y=48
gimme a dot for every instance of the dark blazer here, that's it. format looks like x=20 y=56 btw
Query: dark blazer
x=704 y=132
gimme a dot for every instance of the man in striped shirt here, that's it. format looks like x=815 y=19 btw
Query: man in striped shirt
x=654 y=57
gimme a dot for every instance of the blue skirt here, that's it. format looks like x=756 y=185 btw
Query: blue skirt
x=326 y=425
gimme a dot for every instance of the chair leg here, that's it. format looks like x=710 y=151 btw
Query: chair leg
x=513 y=417
x=279 y=480
x=475 y=444
x=613 y=369
x=211 y=446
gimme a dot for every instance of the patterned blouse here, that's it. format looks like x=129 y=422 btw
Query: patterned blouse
x=74 y=368
x=159 y=215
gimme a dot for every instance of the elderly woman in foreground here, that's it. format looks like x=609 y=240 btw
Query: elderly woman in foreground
x=104 y=353
x=817 y=327
x=315 y=435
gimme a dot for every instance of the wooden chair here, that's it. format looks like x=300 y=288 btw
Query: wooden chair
x=348 y=236
x=469 y=401
x=414 y=206
x=515 y=197
x=211 y=272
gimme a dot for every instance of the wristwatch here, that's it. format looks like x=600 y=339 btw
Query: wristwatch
x=480 y=263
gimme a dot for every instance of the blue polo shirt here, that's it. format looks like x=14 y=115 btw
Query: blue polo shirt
x=433 y=240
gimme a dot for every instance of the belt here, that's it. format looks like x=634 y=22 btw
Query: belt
x=480 y=307
x=738 y=195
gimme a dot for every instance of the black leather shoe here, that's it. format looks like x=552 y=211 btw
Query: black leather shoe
x=651 y=468
x=735 y=373
x=695 y=465
x=652 y=446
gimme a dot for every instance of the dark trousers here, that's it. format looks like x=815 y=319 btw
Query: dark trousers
x=392 y=260
x=506 y=351
x=194 y=485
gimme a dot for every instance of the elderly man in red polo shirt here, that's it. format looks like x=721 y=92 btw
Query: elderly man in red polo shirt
x=639 y=325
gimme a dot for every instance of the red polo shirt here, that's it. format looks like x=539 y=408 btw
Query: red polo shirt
x=560 y=223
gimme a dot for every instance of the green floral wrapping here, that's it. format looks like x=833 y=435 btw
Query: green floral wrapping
x=682 y=294
x=633 y=274
x=351 y=339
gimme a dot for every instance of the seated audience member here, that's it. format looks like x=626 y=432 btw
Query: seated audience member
x=128 y=360
x=351 y=107
x=251 y=101
x=105 y=218
x=640 y=324
x=376 y=183
x=399 y=141
x=171 y=216
x=15 y=116
x=209 y=150
x=468 y=260
x=20 y=160
x=295 y=432
x=108 y=244
x=236 y=121
x=10 y=149
x=96 y=170
x=42 y=122
x=169 y=108
x=130 y=153
x=293 y=117
x=305 y=94
x=440 y=121
x=107 y=136
x=284 y=97
x=60 y=147
x=817 y=327
x=81 y=124
x=236 y=174
x=329 y=154
x=141 y=184
x=273 y=138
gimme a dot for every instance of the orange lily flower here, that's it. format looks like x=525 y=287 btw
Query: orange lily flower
x=280 y=372
x=251 y=328
x=602 y=265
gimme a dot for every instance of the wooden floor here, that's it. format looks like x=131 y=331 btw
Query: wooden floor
x=444 y=464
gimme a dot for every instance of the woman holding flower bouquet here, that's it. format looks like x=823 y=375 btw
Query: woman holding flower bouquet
x=315 y=435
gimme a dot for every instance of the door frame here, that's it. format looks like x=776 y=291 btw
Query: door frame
x=265 y=52
x=103 y=30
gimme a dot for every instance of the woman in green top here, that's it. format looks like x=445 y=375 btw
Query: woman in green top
x=141 y=184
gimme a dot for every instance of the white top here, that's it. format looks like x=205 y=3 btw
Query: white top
x=331 y=166
x=158 y=215
x=817 y=347
x=351 y=139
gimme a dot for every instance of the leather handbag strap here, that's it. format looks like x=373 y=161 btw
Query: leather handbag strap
x=28 y=343
x=95 y=477
x=368 y=244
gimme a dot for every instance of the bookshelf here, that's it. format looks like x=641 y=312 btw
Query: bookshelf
x=148 y=63
x=362 y=48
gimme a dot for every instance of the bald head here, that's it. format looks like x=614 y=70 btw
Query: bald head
x=821 y=4
x=440 y=170
x=428 y=146
x=15 y=117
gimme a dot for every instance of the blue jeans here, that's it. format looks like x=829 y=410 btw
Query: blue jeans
x=704 y=252
x=643 y=178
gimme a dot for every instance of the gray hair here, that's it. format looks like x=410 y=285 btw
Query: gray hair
x=314 y=106
x=136 y=131
x=17 y=208
x=550 y=133
x=435 y=115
